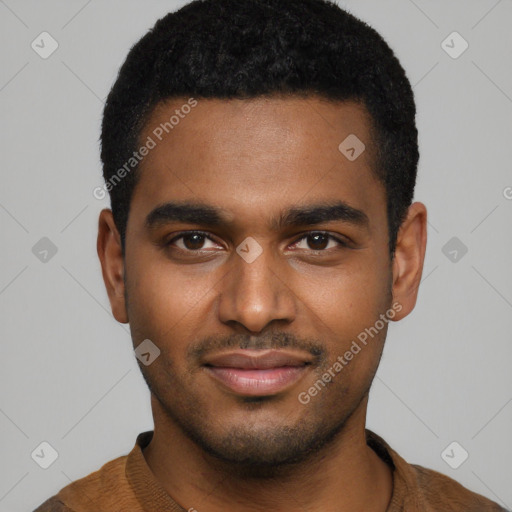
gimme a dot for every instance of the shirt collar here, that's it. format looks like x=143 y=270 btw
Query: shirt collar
x=153 y=497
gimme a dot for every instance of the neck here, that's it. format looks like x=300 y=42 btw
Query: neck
x=346 y=476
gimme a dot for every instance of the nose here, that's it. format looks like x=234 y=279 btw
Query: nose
x=256 y=293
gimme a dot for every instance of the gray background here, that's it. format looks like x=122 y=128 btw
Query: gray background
x=68 y=373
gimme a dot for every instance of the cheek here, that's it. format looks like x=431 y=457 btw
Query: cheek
x=348 y=298
x=163 y=300
x=344 y=304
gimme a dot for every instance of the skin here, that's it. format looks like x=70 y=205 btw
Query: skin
x=212 y=449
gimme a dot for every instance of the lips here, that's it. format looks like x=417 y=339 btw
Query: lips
x=258 y=359
x=257 y=372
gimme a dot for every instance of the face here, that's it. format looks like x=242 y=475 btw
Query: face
x=257 y=262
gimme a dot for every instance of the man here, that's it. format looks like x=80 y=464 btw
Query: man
x=261 y=160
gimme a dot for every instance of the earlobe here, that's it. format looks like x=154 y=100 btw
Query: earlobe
x=112 y=264
x=409 y=258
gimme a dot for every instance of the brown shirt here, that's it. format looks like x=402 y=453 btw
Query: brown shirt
x=126 y=484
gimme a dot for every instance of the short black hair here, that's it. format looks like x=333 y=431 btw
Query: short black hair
x=250 y=48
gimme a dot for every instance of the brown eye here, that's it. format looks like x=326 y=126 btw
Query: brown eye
x=319 y=242
x=194 y=241
x=190 y=242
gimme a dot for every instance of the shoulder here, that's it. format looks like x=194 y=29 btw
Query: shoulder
x=98 y=489
x=441 y=492
x=416 y=488
x=53 y=504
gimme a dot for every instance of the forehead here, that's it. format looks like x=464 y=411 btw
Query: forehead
x=252 y=157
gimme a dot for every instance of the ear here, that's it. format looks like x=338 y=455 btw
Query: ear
x=112 y=264
x=409 y=257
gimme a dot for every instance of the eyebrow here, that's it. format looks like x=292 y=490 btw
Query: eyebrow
x=211 y=216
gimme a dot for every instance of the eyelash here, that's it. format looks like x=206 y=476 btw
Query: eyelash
x=341 y=242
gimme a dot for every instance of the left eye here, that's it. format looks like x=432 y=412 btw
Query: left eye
x=320 y=241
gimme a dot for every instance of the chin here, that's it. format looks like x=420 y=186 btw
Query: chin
x=266 y=451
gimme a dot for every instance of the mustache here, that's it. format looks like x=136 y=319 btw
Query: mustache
x=274 y=340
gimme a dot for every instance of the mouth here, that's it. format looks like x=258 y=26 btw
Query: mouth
x=258 y=372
